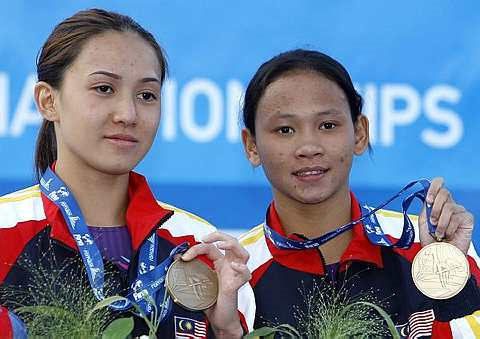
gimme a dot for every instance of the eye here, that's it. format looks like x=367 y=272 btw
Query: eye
x=104 y=89
x=147 y=96
x=328 y=125
x=285 y=130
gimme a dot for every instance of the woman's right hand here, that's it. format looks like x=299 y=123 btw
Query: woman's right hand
x=233 y=273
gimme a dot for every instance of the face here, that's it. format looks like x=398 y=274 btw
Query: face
x=305 y=138
x=107 y=110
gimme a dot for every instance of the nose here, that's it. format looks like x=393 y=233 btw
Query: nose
x=126 y=111
x=309 y=146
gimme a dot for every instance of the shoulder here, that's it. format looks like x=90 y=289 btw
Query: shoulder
x=183 y=223
x=21 y=218
x=21 y=206
x=252 y=237
x=255 y=243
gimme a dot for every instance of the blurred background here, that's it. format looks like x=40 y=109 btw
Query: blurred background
x=417 y=64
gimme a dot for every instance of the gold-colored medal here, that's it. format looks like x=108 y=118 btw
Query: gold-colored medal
x=440 y=270
x=192 y=284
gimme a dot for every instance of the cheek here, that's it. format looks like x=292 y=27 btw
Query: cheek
x=274 y=164
x=150 y=124
x=273 y=155
x=345 y=149
x=346 y=160
x=344 y=155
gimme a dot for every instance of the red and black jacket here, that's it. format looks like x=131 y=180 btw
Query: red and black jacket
x=280 y=279
x=34 y=234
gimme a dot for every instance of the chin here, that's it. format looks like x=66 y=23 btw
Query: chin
x=313 y=198
x=116 y=169
x=312 y=201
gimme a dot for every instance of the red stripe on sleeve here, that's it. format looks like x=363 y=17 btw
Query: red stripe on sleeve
x=5 y=325
x=441 y=330
x=474 y=270
x=243 y=322
x=13 y=241
x=259 y=271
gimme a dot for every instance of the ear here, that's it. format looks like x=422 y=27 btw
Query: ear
x=45 y=101
x=361 y=135
x=250 y=147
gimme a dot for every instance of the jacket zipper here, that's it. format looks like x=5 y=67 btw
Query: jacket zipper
x=132 y=273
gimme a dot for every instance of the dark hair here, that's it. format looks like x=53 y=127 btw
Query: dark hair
x=298 y=59
x=60 y=51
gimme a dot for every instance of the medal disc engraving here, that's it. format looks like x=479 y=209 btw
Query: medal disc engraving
x=440 y=270
x=192 y=284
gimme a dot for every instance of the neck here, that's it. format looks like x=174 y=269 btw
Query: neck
x=314 y=220
x=103 y=198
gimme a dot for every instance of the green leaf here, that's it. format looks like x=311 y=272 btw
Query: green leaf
x=381 y=311
x=104 y=303
x=151 y=327
x=260 y=332
x=119 y=328
x=289 y=329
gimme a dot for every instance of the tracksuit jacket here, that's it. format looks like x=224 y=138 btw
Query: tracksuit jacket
x=33 y=233
x=281 y=278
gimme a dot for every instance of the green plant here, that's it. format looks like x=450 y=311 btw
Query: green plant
x=331 y=312
x=57 y=302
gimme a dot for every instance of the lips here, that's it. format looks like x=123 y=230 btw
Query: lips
x=122 y=141
x=122 y=138
x=306 y=172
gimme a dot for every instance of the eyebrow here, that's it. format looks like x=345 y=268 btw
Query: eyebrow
x=330 y=112
x=118 y=77
x=108 y=74
x=150 y=80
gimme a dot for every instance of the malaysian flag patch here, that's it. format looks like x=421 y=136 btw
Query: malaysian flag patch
x=189 y=328
x=420 y=324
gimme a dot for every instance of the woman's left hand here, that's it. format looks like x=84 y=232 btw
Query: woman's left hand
x=454 y=223
x=232 y=273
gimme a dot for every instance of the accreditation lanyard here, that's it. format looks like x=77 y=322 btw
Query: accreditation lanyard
x=370 y=222
x=150 y=278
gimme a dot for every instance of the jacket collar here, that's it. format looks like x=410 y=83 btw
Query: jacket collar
x=143 y=214
x=310 y=260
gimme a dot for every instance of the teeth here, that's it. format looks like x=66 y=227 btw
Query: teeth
x=307 y=173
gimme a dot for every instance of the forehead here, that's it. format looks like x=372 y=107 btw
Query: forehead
x=123 y=53
x=302 y=92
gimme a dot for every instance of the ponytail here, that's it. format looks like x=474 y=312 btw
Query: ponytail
x=46 y=148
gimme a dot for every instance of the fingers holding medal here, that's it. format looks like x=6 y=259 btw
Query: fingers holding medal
x=230 y=262
x=229 y=259
x=440 y=269
x=195 y=286
x=451 y=222
x=233 y=266
x=228 y=256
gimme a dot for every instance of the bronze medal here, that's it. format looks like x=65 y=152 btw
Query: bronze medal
x=440 y=270
x=192 y=284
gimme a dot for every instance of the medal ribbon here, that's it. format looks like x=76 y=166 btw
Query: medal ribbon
x=149 y=285
x=370 y=222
